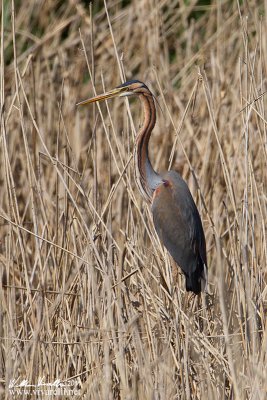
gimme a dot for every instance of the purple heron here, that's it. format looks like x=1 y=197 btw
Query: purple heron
x=175 y=215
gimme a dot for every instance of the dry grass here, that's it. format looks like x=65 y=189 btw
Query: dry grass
x=87 y=291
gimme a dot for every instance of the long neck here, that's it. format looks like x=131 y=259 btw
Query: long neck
x=147 y=179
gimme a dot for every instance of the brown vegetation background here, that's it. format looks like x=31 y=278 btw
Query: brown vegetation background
x=87 y=292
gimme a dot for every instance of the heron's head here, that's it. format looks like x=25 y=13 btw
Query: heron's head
x=130 y=88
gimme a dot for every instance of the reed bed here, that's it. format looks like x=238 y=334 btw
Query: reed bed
x=88 y=294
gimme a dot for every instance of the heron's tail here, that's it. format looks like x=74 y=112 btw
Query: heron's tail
x=197 y=281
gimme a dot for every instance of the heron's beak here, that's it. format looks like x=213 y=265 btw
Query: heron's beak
x=120 y=91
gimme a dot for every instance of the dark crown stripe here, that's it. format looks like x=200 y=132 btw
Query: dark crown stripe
x=128 y=83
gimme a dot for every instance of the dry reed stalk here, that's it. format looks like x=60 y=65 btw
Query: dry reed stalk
x=87 y=291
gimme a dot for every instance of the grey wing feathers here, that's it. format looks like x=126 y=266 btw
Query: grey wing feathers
x=179 y=226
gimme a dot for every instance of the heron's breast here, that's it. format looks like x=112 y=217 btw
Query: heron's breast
x=163 y=191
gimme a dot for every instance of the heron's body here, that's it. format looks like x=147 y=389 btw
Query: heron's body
x=175 y=214
x=179 y=227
